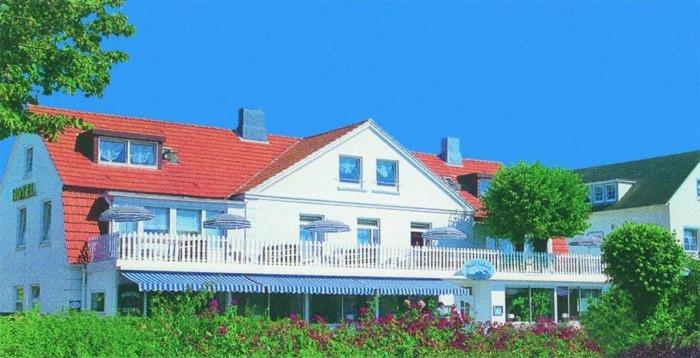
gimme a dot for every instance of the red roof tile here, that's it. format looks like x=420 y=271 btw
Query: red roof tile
x=559 y=246
x=469 y=166
x=81 y=209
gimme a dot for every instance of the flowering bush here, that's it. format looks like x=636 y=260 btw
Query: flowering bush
x=193 y=325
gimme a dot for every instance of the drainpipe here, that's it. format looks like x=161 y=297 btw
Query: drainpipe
x=83 y=305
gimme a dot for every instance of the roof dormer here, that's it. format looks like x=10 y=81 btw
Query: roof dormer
x=608 y=192
x=127 y=149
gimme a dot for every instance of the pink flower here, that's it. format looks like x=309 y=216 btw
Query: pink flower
x=234 y=303
x=362 y=311
x=294 y=317
x=223 y=330
x=213 y=306
x=443 y=323
x=318 y=319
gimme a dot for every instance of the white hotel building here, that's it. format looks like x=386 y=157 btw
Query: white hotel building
x=56 y=255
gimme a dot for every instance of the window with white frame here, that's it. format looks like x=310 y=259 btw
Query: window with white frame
x=598 y=194
x=698 y=188
x=97 y=302
x=387 y=172
x=19 y=298
x=484 y=185
x=45 y=221
x=125 y=227
x=350 y=169
x=611 y=192
x=128 y=152
x=368 y=232
x=28 y=161
x=21 y=226
x=306 y=235
x=188 y=222
x=35 y=297
x=690 y=239
x=160 y=222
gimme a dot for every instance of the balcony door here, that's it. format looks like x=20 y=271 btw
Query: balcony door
x=417 y=230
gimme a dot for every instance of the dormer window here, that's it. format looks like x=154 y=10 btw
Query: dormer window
x=127 y=152
x=484 y=184
x=598 y=194
x=611 y=192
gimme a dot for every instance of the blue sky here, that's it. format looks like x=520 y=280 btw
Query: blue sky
x=570 y=84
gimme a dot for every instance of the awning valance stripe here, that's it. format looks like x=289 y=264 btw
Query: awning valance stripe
x=195 y=281
x=312 y=285
x=418 y=287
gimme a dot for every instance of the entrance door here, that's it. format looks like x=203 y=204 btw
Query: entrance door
x=416 y=238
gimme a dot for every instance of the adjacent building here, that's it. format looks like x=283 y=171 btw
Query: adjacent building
x=57 y=255
x=664 y=191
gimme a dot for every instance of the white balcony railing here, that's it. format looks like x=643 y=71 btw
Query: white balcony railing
x=157 y=248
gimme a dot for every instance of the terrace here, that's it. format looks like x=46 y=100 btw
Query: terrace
x=162 y=252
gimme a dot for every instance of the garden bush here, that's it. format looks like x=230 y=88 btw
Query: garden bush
x=192 y=325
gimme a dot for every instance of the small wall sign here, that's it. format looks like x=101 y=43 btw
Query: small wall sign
x=74 y=305
x=498 y=310
x=23 y=192
x=478 y=269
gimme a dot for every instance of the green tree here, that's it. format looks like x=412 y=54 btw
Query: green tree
x=49 y=46
x=531 y=202
x=646 y=262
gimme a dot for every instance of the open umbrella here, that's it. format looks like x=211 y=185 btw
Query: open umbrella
x=227 y=222
x=442 y=233
x=324 y=226
x=126 y=214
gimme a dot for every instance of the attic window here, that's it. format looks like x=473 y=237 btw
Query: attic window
x=128 y=152
x=484 y=184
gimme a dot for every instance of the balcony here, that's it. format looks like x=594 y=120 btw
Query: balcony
x=221 y=254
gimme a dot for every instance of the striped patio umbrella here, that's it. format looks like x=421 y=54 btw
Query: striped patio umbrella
x=227 y=222
x=590 y=241
x=126 y=214
x=443 y=233
x=324 y=226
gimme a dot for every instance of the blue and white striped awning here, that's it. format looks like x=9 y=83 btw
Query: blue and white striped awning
x=125 y=214
x=312 y=285
x=195 y=281
x=327 y=226
x=227 y=221
x=408 y=286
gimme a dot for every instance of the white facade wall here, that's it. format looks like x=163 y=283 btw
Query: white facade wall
x=607 y=221
x=684 y=206
x=313 y=187
x=43 y=264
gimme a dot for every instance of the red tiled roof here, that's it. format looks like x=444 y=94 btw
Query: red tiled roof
x=81 y=208
x=469 y=166
x=213 y=161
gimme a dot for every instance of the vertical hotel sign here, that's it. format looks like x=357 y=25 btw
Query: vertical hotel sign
x=23 y=192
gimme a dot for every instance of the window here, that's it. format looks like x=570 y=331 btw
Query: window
x=116 y=151
x=611 y=192
x=28 y=161
x=368 y=232
x=189 y=222
x=598 y=194
x=35 y=296
x=386 y=172
x=484 y=185
x=45 y=221
x=160 y=222
x=21 y=226
x=112 y=151
x=690 y=239
x=126 y=227
x=417 y=230
x=698 y=188
x=97 y=302
x=350 y=169
x=210 y=214
x=19 y=299
x=142 y=153
x=306 y=235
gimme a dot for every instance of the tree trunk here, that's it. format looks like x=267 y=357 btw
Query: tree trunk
x=540 y=245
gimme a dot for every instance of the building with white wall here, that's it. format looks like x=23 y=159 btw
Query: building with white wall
x=58 y=255
x=664 y=191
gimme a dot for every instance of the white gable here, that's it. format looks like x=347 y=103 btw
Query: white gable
x=317 y=177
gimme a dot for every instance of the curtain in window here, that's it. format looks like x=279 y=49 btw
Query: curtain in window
x=112 y=151
x=160 y=222
x=188 y=222
x=349 y=169
x=386 y=172
x=142 y=154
